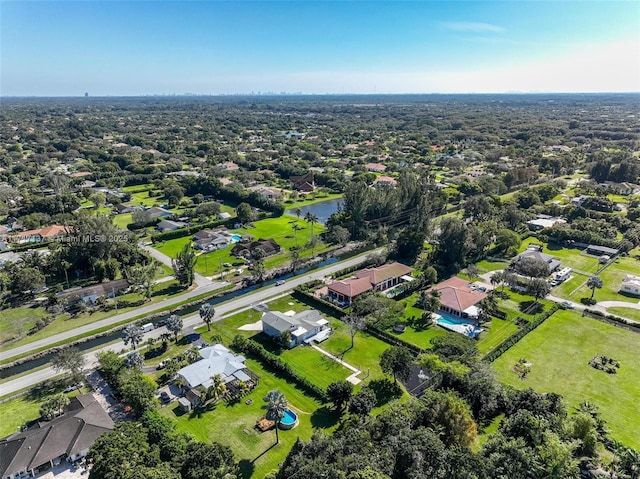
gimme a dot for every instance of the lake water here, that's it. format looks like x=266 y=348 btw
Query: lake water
x=322 y=209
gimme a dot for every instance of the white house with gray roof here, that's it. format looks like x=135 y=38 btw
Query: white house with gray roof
x=306 y=326
x=216 y=360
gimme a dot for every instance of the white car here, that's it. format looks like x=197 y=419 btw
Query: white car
x=280 y=282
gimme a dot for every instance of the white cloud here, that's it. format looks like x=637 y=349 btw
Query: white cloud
x=472 y=27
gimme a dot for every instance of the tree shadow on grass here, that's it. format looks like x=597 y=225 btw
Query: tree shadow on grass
x=385 y=390
x=263 y=453
x=324 y=418
x=246 y=468
x=530 y=307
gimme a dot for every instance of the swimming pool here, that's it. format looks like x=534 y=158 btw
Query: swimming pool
x=458 y=325
x=236 y=237
x=289 y=420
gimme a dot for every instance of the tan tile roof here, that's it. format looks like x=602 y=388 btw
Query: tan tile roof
x=456 y=294
x=47 y=232
x=382 y=273
x=351 y=287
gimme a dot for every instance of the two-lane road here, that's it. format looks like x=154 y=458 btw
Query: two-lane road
x=222 y=309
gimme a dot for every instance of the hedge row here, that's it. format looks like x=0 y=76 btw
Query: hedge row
x=519 y=334
x=610 y=317
x=393 y=340
x=182 y=232
x=249 y=346
x=583 y=236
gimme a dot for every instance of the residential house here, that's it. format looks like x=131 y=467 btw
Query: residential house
x=156 y=212
x=544 y=221
x=122 y=208
x=168 y=225
x=47 y=443
x=9 y=257
x=224 y=216
x=213 y=239
x=303 y=327
x=386 y=276
x=346 y=290
x=41 y=234
x=92 y=293
x=229 y=166
x=625 y=188
x=269 y=246
x=375 y=167
x=535 y=253
x=214 y=361
x=578 y=200
x=630 y=285
x=458 y=298
x=304 y=183
x=383 y=181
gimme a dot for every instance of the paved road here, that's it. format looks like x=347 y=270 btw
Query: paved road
x=148 y=309
x=166 y=260
x=242 y=302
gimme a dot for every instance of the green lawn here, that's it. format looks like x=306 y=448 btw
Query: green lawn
x=565 y=290
x=625 y=312
x=559 y=351
x=233 y=425
x=612 y=277
x=18 y=321
x=485 y=266
x=280 y=229
x=494 y=333
x=309 y=200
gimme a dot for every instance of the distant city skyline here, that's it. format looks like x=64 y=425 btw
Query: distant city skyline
x=120 y=48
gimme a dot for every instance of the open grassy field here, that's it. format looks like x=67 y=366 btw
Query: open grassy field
x=630 y=313
x=612 y=277
x=310 y=199
x=485 y=266
x=559 y=351
x=18 y=321
x=494 y=333
x=233 y=424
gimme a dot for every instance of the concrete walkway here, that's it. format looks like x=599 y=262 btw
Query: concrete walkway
x=353 y=379
x=166 y=260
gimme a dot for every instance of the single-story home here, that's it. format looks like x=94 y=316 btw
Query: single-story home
x=544 y=221
x=39 y=235
x=92 y=293
x=224 y=215
x=122 y=208
x=269 y=246
x=457 y=298
x=157 y=212
x=304 y=326
x=47 y=443
x=578 y=200
x=215 y=360
x=375 y=167
x=625 y=188
x=386 y=276
x=346 y=290
x=213 y=239
x=630 y=285
x=535 y=253
x=597 y=250
x=384 y=181
x=168 y=225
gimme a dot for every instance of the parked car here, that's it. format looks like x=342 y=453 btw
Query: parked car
x=161 y=365
x=567 y=304
x=226 y=265
x=72 y=387
x=164 y=397
x=239 y=271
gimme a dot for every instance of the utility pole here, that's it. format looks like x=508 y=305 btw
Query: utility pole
x=221 y=275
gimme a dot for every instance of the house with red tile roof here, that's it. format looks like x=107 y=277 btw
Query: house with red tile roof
x=385 y=181
x=375 y=167
x=39 y=235
x=458 y=298
x=346 y=290
x=369 y=279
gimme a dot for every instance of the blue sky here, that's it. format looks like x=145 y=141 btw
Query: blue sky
x=223 y=47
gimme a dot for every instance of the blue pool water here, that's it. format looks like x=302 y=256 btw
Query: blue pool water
x=288 y=418
x=459 y=325
x=452 y=320
x=236 y=237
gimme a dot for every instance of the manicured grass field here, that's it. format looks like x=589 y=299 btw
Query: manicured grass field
x=565 y=289
x=233 y=425
x=559 y=351
x=485 y=266
x=625 y=312
x=494 y=333
x=309 y=200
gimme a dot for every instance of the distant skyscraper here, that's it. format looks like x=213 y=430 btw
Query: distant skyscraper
x=86 y=94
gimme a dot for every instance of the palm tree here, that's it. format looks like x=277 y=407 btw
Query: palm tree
x=276 y=405
x=207 y=312
x=496 y=279
x=218 y=388
x=313 y=219
x=594 y=282
x=295 y=232
x=174 y=324
x=298 y=212
x=132 y=334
